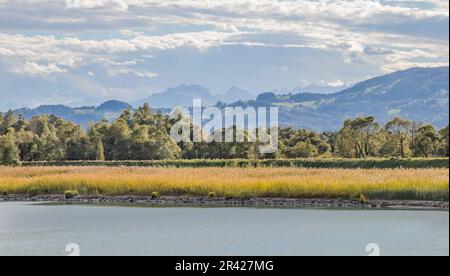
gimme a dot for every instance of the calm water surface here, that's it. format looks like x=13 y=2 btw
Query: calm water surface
x=46 y=230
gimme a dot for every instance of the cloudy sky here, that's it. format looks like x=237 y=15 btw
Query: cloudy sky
x=84 y=51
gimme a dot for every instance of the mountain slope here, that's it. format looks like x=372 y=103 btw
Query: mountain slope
x=235 y=94
x=420 y=94
x=79 y=115
x=319 y=89
x=182 y=95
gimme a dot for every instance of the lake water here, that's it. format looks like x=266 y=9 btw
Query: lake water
x=27 y=229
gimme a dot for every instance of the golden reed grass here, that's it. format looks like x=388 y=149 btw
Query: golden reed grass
x=420 y=184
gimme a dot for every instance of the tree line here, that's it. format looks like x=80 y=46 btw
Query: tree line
x=144 y=135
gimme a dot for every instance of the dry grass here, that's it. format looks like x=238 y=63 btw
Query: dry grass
x=420 y=184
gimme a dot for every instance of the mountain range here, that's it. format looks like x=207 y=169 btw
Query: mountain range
x=183 y=95
x=420 y=94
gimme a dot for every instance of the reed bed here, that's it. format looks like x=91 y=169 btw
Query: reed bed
x=399 y=184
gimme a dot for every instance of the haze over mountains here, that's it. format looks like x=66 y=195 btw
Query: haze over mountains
x=420 y=94
x=183 y=95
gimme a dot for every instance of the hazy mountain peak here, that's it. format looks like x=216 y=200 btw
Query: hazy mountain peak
x=188 y=89
x=235 y=94
x=184 y=94
x=113 y=106
x=181 y=95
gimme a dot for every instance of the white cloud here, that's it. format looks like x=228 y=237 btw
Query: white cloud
x=71 y=52
x=127 y=37
x=356 y=9
x=56 y=20
x=32 y=68
x=128 y=71
x=119 y=5
x=336 y=83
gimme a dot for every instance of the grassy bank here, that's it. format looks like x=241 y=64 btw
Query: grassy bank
x=408 y=184
x=418 y=163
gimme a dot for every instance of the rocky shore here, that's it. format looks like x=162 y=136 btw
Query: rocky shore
x=182 y=201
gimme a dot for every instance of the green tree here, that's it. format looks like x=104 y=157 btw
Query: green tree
x=389 y=146
x=20 y=123
x=25 y=143
x=99 y=149
x=8 y=122
x=426 y=141
x=144 y=116
x=443 y=149
x=399 y=130
x=359 y=137
x=166 y=148
x=126 y=117
x=117 y=138
x=9 y=152
x=345 y=144
x=73 y=141
x=142 y=148
x=47 y=146
x=304 y=150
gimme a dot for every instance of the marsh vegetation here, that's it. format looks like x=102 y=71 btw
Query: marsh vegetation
x=408 y=184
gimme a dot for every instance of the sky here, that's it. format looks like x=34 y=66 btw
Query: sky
x=79 y=52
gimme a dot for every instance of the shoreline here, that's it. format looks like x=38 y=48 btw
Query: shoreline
x=185 y=201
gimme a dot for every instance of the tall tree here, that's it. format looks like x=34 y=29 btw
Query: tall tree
x=118 y=140
x=20 y=123
x=399 y=130
x=426 y=141
x=361 y=135
x=444 y=142
x=9 y=151
x=25 y=143
x=144 y=116
x=99 y=149
x=8 y=122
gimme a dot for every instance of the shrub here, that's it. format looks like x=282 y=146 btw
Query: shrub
x=362 y=199
x=71 y=194
x=155 y=195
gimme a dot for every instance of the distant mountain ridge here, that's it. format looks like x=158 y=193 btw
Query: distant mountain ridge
x=178 y=96
x=183 y=95
x=419 y=94
x=80 y=115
